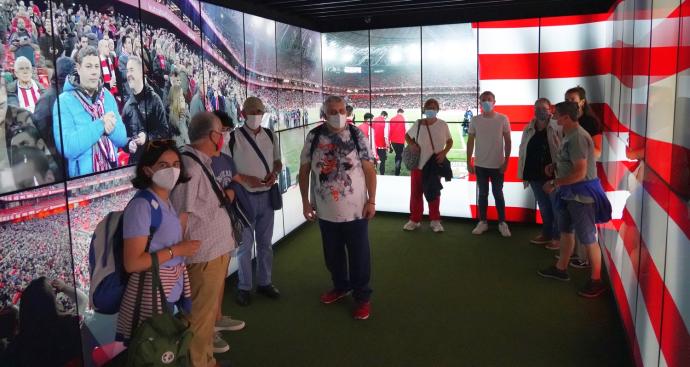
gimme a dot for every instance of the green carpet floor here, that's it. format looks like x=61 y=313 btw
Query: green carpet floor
x=450 y=299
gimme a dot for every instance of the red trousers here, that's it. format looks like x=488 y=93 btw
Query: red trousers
x=417 y=200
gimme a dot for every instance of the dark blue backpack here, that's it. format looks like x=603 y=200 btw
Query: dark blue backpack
x=106 y=266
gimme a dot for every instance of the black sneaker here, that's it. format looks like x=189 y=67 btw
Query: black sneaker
x=579 y=264
x=243 y=298
x=269 y=291
x=593 y=289
x=554 y=273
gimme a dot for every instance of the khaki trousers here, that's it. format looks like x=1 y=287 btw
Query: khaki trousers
x=206 y=280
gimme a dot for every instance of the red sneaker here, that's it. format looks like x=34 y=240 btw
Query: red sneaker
x=333 y=296
x=362 y=310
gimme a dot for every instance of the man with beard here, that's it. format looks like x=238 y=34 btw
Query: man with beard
x=143 y=114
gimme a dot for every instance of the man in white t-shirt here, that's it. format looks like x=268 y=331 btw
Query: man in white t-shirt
x=257 y=173
x=336 y=156
x=490 y=132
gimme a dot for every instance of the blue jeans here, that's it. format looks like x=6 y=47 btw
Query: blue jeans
x=496 y=177
x=263 y=227
x=546 y=206
x=353 y=236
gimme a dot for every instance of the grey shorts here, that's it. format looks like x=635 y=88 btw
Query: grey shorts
x=579 y=218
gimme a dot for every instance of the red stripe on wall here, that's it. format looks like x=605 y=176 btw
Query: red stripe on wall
x=510 y=174
x=517 y=114
x=516 y=23
x=575 y=19
x=624 y=310
x=568 y=64
x=513 y=214
x=658 y=187
x=508 y=66
x=581 y=63
x=545 y=22
x=675 y=346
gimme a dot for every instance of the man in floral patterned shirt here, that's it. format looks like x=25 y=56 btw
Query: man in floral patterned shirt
x=337 y=157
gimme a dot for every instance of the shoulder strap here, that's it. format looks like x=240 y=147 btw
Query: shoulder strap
x=419 y=126
x=315 y=140
x=270 y=133
x=256 y=149
x=219 y=193
x=231 y=144
x=355 y=138
x=433 y=149
x=156 y=214
x=157 y=287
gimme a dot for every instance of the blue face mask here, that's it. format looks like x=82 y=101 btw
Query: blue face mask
x=487 y=106
x=430 y=113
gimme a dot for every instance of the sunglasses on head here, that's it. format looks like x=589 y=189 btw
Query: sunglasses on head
x=160 y=143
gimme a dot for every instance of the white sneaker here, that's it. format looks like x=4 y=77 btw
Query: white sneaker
x=411 y=226
x=503 y=228
x=481 y=227
x=436 y=226
x=219 y=345
x=228 y=323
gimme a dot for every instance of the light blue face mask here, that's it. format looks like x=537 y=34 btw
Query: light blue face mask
x=430 y=113
x=487 y=106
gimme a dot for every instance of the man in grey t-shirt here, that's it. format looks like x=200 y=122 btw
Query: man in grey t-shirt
x=576 y=174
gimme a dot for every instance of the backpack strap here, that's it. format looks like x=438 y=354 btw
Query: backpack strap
x=156 y=213
x=232 y=142
x=355 y=138
x=317 y=131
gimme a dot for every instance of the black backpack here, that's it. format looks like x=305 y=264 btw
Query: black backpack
x=319 y=130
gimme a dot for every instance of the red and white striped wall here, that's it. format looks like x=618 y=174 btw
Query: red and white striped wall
x=634 y=63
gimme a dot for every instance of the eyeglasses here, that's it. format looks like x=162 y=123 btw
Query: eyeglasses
x=160 y=143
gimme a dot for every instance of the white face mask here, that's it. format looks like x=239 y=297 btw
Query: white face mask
x=166 y=178
x=337 y=121
x=253 y=121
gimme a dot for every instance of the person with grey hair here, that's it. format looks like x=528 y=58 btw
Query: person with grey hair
x=143 y=114
x=25 y=91
x=204 y=218
x=256 y=153
x=337 y=157
x=581 y=202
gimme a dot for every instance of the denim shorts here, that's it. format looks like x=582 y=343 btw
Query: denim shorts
x=579 y=218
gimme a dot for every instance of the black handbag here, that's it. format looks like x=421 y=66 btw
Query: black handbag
x=275 y=196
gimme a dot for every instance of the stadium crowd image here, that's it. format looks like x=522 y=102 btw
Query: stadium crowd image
x=373 y=183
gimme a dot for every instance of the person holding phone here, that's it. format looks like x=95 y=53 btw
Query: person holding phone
x=251 y=146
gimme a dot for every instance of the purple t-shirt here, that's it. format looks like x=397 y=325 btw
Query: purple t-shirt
x=136 y=222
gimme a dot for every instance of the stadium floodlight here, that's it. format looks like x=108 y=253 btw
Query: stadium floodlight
x=413 y=53
x=347 y=54
x=395 y=55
